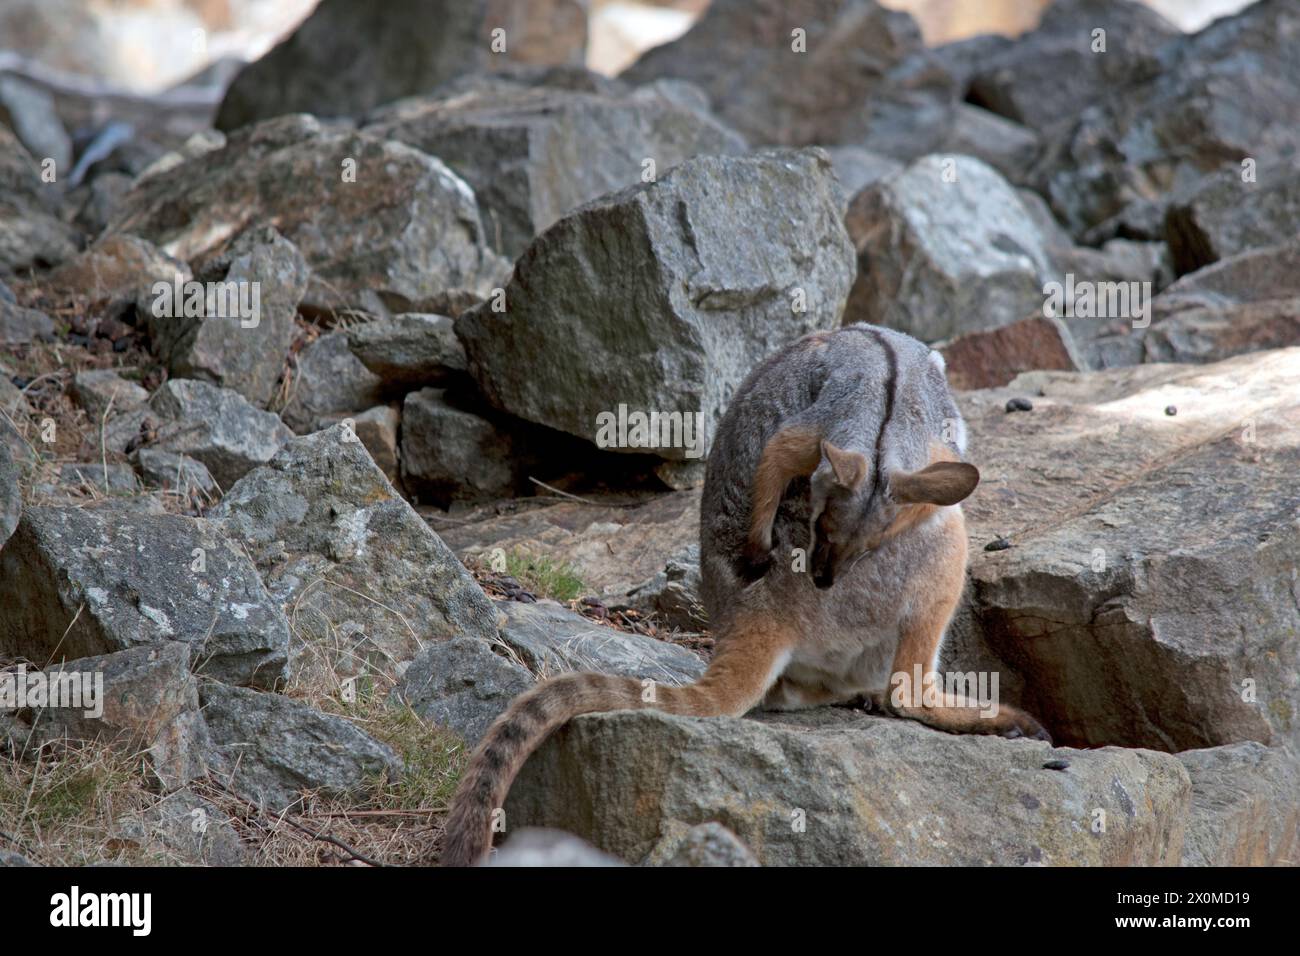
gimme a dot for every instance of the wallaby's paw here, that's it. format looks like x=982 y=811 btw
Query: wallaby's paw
x=753 y=563
x=1013 y=724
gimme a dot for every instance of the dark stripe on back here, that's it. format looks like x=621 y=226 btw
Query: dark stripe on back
x=891 y=384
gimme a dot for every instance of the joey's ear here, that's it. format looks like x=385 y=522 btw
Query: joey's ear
x=849 y=466
x=943 y=483
x=791 y=453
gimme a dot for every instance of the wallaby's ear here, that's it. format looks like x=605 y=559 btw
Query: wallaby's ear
x=849 y=467
x=792 y=452
x=943 y=483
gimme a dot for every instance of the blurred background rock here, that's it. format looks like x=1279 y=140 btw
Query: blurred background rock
x=149 y=45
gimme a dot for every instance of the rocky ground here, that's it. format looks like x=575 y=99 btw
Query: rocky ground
x=313 y=555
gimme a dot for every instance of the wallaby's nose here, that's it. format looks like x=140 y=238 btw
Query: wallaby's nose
x=823 y=579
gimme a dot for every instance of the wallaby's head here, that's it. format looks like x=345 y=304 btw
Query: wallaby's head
x=856 y=509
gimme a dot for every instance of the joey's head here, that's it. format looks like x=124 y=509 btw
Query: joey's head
x=855 y=511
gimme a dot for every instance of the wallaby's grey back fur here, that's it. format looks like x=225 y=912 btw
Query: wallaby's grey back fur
x=867 y=389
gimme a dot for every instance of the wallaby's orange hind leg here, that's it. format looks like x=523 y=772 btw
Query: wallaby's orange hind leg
x=748 y=660
x=921 y=634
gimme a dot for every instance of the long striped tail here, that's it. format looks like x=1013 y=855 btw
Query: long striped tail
x=740 y=674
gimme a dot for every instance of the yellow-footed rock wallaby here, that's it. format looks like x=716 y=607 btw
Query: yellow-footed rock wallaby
x=833 y=554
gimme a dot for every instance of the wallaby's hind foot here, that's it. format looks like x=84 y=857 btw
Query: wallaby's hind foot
x=960 y=716
x=956 y=716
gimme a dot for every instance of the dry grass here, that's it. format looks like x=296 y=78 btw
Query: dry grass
x=67 y=804
x=399 y=823
x=61 y=805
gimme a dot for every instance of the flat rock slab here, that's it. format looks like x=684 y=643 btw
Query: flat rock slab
x=831 y=787
x=1149 y=596
x=613 y=549
x=1245 y=806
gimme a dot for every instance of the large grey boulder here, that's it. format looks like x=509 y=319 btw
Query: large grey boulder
x=274 y=751
x=243 y=348
x=945 y=247
x=215 y=426
x=369 y=216
x=348 y=57
x=745 y=55
x=531 y=155
x=831 y=787
x=661 y=297
x=1129 y=563
x=78 y=583
x=463 y=685
x=365 y=581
